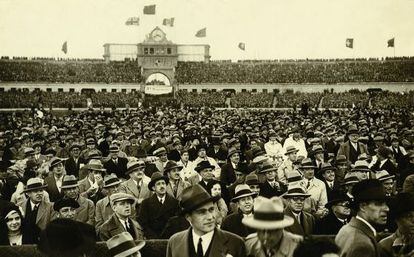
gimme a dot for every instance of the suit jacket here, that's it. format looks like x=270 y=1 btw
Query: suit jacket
x=223 y=243
x=113 y=227
x=329 y=190
x=153 y=216
x=119 y=169
x=86 y=211
x=328 y=225
x=287 y=245
x=220 y=156
x=268 y=191
x=103 y=211
x=131 y=188
x=52 y=189
x=345 y=148
x=45 y=213
x=181 y=186
x=388 y=166
x=174 y=225
x=84 y=185
x=72 y=167
x=228 y=175
x=357 y=239
x=306 y=226
x=233 y=223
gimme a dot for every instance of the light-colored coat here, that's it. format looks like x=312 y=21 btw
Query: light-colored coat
x=103 y=211
x=129 y=187
x=181 y=186
x=113 y=227
x=86 y=211
x=317 y=190
x=45 y=213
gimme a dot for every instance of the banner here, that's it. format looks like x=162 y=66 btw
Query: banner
x=149 y=9
x=157 y=89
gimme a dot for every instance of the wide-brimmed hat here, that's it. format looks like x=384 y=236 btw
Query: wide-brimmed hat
x=368 y=190
x=54 y=161
x=317 y=149
x=268 y=214
x=123 y=245
x=252 y=179
x=337 y=197
x=160 y=151
x=294 y=176
x=65 y=202
x=121 y=197
x=203 y=165
x=232 y=151
x=349 y=179
x=155 y=177
x=171 y=165
x=242 y=190
x=95 y=165
x=307 y=164
x=134 y=165
x=267 y=166
x=295 y=190
x=341 y=159
x=361 y=166
x=352 y=130
x=34 y=184
x=383 y=175
x=113 y=148
x=69 y=181
x=326 y=166
x=291 y=149
x=194 y=197
x=111 y=180
x=260 y=159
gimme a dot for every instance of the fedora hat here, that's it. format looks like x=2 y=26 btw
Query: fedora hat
x=242 y=190
x=171 y=165
x=34 y=184
x=326 y=166
x=194 y=197
x=55 y=161
x=121 y=197
x=232 y=151
x=352 y=130
x=307 y=164
x=341 y=159
x=267 y=166
x=317 y=149
x=75 y=146
x=29 y=151
x=113 y=148
x=361 y=166
x=155 y=177
x=383 y=175
x=252 y=179
x=69 y=181
x=294 y=191
x=368 y=190
x=111 y=180
x=65 y=202
x=337 y=197
x=257 y=151
x=160 y=151
x=96 y=165
x=294 y=176
x=349 y=179
x=260 y=159
x=134 y=165
x=268 y=214
x=123 y=245
x=291 y=149
x=203 y=165
x=141 y=153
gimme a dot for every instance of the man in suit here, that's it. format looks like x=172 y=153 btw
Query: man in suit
x=352 y=148
x=91 y=186
x=271 y=186
x=135 y=185
x=116 y=164
x=205 y=174
x=228 y=175
x=37 y=212
x=66 y=208
x=304 y=222
x=383 y=161
x=72 y=164
x=176 y=185
x=288 y=164
x=244 y=199
x=358 y=237
x=121 y=220
x=328 y=177
x=272 y=238
x=103 y=210
x=54 y=179
x=203 y=238
x=339 y=215
x=39 y=157
x=86 y=211
x=155 y=211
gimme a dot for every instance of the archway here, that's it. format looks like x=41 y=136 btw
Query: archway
x=158 y=79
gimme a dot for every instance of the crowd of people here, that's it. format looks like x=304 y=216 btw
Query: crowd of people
x=228 y=182
x=283 y=71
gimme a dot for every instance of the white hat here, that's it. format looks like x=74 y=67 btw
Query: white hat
x=122 y=245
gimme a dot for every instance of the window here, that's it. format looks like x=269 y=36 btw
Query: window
x=13 y=89
x=151 y=50
x=184 y=90
x=168 y=50
x=71 y=90
x=113 y=90
x=145 y=50
x=213 y=90
x=1 y=89
x=194 y=90
x=48 y=90
x=244 y=90
x=103 y=90
x=123 y=90
x=254 y=90
x=60 y=89
x=203 y=90
x=264 y=90
x=133 y=90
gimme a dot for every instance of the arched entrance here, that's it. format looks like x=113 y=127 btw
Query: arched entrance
x=158 y=79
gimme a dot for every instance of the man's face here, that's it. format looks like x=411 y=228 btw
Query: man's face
x=319 y=156
x=67 y=213
x=270 y=238
x=123 y=208
x=185 y=157
x=406 y=223
x=376 y=212
x=292 y=156
x=37 y=149
x=235 y=158
x=308 y=173
x=71 y=192
x=113 y=189
x=394 y=144
x=75 y=152
x=329 y=175
x=342 y=209
x=296 y=203
x=163 y=157
x=14 y=222
x=353 y=138
x=206 y=174
x=203 y=219
x=271 y=175
x=202 y=153
x=58 y=170
x=160 y=187
x=35 y=196
x=174 y=174
x=137 y=174
x=255 y=188
x=245 y=204
x=388 y=185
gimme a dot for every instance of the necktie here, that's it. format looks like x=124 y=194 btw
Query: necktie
x=138 y=188
x=130 y=229
x=175 y=189
x=200 y=248
x=308 y=185
x=161 y=201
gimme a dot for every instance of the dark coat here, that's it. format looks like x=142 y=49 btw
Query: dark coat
x=266 y=190
x=306 y=226
x=233 y=223
x=223 y=243
x=72 y=167
x=119 y=169
x=113 y=227
x=174 y=225
x=52 y=189
x=228 y=175
x=328 y=225
x=153 y=216
x=344 y=149
x=388 y=166
x=336 y=187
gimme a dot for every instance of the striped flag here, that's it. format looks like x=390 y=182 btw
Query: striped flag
x=349 y=43
x=242 y=46
x=201 y=33
x=149 y=9
x=65 y=47
x=132 y=21
x=168 y=22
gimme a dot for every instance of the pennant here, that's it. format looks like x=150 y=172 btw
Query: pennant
x=168 y=22
x=149 y=9
x=242 y=46
x=390 y=43
x=65 y=47
x=201 y=32
x=132 y=21
x=349 y=43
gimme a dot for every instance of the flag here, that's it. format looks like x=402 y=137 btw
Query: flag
x=168 y=22
x=201 y=32
x=242 y=46
x=149 y=9
x=390 y=43
x=65 y=47
x=349 y=43
x=132 y=21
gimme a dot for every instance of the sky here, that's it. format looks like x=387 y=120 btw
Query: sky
x=271 y=29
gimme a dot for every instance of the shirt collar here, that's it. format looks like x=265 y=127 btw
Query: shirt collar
x=206 y=239
x=369 y=225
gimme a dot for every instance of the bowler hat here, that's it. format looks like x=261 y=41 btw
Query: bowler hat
x=34 y=184
x=194 y=197
x=123 y=245
x=203 y=165
x=155 y=177
x=69 y=181
x=268 y=215
x=65 y=202
x=368 y=190
x=242 y=190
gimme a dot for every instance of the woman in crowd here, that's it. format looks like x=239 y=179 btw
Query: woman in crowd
x=11 y=226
